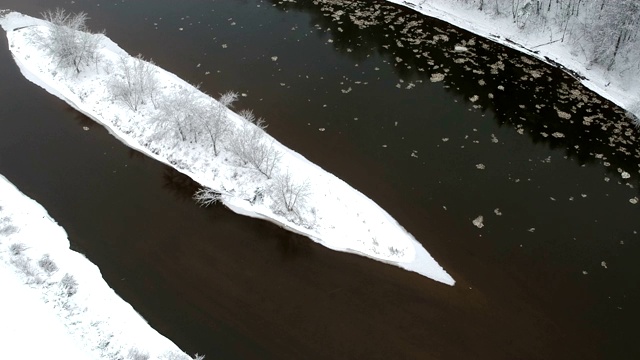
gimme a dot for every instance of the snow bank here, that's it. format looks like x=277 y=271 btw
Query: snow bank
x=505 y=32
x=339 y=217
x=41 y=319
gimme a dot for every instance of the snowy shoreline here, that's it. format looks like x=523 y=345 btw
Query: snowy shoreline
x=503 y=31
x=87 y=321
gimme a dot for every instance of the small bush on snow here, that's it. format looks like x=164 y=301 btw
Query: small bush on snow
x=47 y=264
x=69 y=284
x=137 y=354
x=23 y=264
x=175 y=355
x=17 y=248
x=6 y=228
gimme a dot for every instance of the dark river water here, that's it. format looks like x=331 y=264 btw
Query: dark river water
x=552 y=168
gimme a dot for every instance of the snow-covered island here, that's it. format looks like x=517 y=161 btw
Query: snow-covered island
x=238 y=163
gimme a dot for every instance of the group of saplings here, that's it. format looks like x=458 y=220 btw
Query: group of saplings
x=185 y=115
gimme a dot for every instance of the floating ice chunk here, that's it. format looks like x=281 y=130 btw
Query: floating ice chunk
x=479 y=222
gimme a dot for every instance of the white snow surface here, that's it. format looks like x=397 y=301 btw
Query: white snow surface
x=339 y=217
x=38 y=320
x=501 y=29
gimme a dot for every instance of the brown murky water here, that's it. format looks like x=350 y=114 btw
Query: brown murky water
x=554 y=276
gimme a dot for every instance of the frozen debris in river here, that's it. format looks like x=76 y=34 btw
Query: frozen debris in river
x=557 y=135
x=624 y=174
x=414 y=153
x=274 y=58
x=480 y=166
x=474 y=98
x=531 y=230
x=460 y=48
x=479 y=222
x=437 y=77
x=563 y=115
x=634 y=200
x=603 y=264
x=497 y=212
x=445 y=139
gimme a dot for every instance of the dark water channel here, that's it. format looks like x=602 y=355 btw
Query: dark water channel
x=552 y=275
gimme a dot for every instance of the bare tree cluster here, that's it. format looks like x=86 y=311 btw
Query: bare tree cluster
x=289 y=196
x=188 y=115
x=249 y=145
x=179 y=115
x=216 y=125
x=606 y=32
x=135 y=82
x=69 y=41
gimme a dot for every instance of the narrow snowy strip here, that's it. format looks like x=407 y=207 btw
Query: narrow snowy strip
x=44 y=316
x=337 y=216
x=505 y=32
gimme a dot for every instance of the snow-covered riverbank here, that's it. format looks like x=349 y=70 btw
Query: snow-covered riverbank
x=55 y=303
x=544 y=45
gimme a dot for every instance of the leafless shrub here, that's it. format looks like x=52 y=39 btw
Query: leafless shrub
x=17 y=248
x=23 y=264
x=216 y=124
x=69 y=284
x=288 y=195
x=137 y=354
x=135 y=82
x=6 y=228
x=47 y=264
x=180 y=116
x=251 y=147
x=206 y=196
x=68 y=40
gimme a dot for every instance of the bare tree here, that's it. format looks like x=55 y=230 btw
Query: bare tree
x=135 y=82
x=68 y=40
x=616 y=32
x=250 y=145
x=288 y=195
x=216 y=125
x=206 y=196
x=180 y=116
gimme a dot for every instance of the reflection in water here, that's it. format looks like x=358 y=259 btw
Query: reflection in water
x=179 y=184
